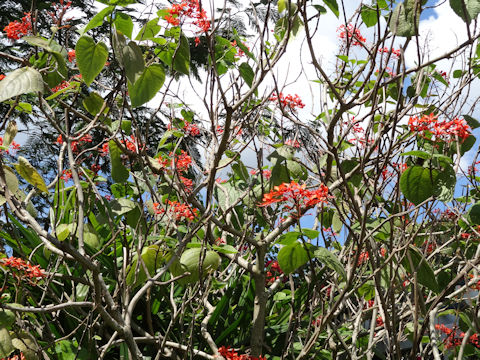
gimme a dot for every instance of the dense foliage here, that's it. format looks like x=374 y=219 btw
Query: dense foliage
x=182 y=203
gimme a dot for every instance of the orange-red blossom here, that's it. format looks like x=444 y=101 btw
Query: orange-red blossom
x=298 y=194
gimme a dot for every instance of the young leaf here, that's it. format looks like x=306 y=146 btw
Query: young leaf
x=29 y=173
x=331 y=261
x=91 y=57
x=21 y=81
x=120 y=173
x=10 y=133
x=181 y=57
x=147 y=85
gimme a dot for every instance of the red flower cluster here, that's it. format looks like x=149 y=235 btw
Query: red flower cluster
x=273 y=271
x=71 y=55
x=2 y=77
x=293 y=143
x=13 y=146
x=240 y=52
x=177 y=210
x=379 y=321
x=350 y=34
x=181 y=162
x=442 y=130
x=230 y=354
x=454 y=339
x=387 y=50
x=191 y=9
x=15 y=357
x=363 y=258
x=64 y=84
x=22 y=270
x=191 y=129
x=265 y=173
x=289 y=101
x=297 y=194
x=74 y=144
x=15 y=30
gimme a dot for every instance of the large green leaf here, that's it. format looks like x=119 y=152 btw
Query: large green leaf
x=6 y=346
x=333 y=6
x=181 y=58
x=291 y=257
x=152 y=257
x=246 y=73
x=91 y=57
x=29 y=173
x=132 y=58
x=123 y=23
x=417 y=183
x=93 y=103
x=425 y=274
x=331 y=261
x=120 y=173
x=405 y=19
x=369 y=16
x=466 y=9
x=26 y=344
x=190 y=261
x=445 y=184
x=149 y=30
x=21 y=81
x=147 y=85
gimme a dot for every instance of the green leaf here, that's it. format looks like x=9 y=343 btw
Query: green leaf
x=225 y=249
x=123 y=23
x=149 y=30
x=29 y=173
x=337 y=223
x=10 y=133
x=181 y=57
x=289 y=238
x=120 y=173
x=331 y=261
x=24 y=107
x=417 y=183
x=310 y=233
x=468 y=10
x=132 y=58
x=21 y=81
x=425 y=274
x=246 y=73
x=333 y=6
x=6 y=346
x=369 y=16
x=281 y=5
x=91 y=57
x=190 y=262
x=418 y=153
x=122 y=206
x=405 y=19
x=474 y=214
x=97 y=20
x=147 y=86
x=26 y=344
x=445 y=184
x=291 y=257
x=93 y=103
x=63 y=231
x=7 y=317
x=152 y=257
x=473 y=123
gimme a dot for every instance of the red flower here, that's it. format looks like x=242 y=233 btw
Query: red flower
x=15 y=30
x=189 y=10
x=13 y=146
x=297 y=194
x=230 y=354
x=21 y=269
x=289 y=101
x=351 y=35
x=71 y=55
x=2 y=77
x=441 y=130
x=177 y=210
x=60 y=86
x=191 y=129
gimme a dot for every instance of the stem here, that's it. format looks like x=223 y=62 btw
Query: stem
x=260 y=304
